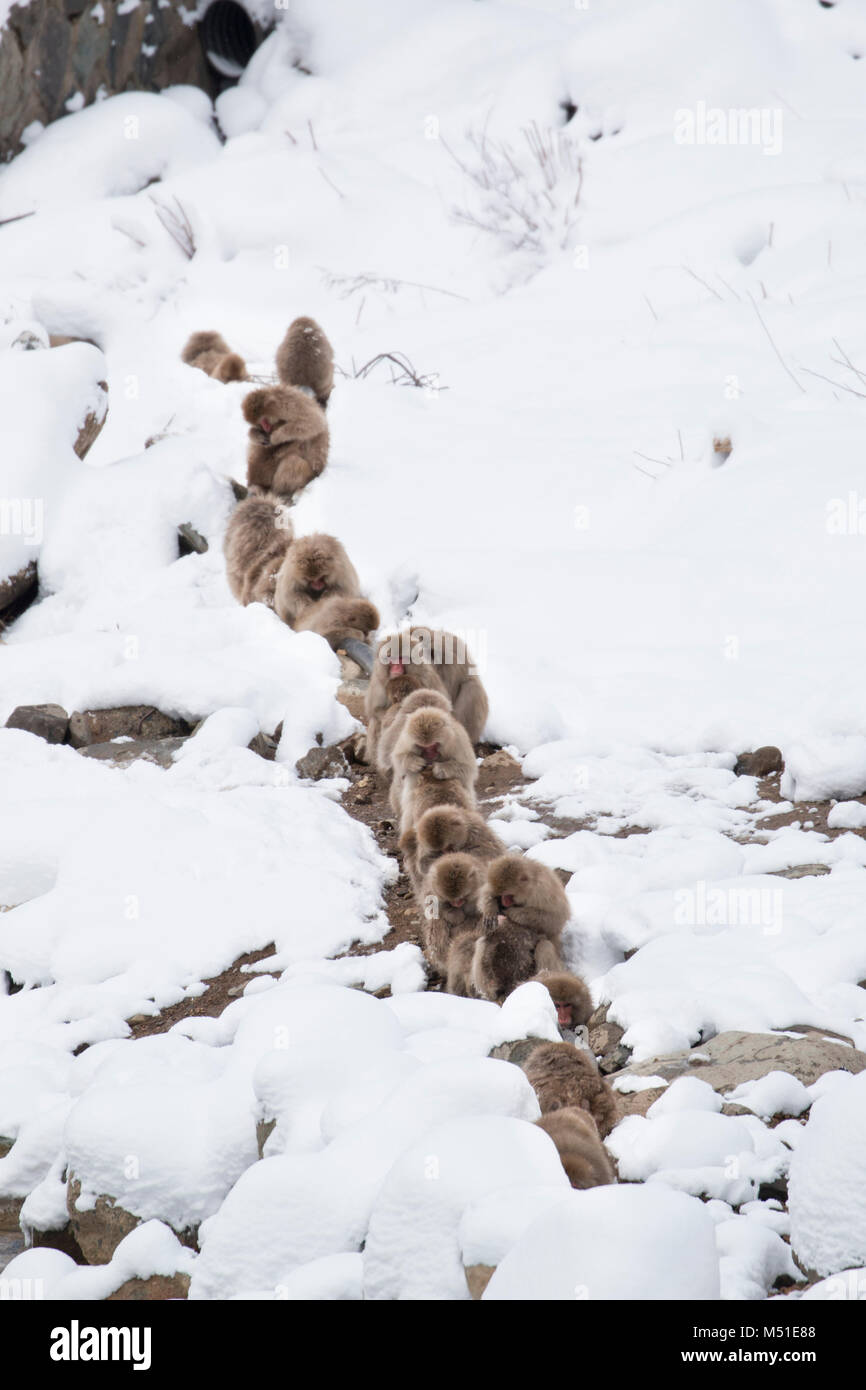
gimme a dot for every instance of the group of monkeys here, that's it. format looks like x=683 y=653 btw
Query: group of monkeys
x=491 y=920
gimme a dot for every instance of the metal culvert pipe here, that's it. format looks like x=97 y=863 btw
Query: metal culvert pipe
x=228 y=36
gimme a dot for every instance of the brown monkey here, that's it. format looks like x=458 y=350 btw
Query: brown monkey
x=447 y=830
x=394 y=719
x=429 y=650
x=317 y=590
x=562 y=1075
x=388 y=685
x=449 y=902
x=305 y=359
x=288 y=440
x=461 y=953
x=432 y=745
x=257 y=540
x=571 y=997
x=508 y=957
x=211 y=354
x=581 y=1152
x=527 y=894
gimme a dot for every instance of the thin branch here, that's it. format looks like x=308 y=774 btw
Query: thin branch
x=331 y=182
x=837 y=385
x=775 y=349
x=706 y=286
x=651 y=309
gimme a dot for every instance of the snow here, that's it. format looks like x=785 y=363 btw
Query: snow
x=613 y=1243
x=642 y=611
x=150 y=1249
x=828 y=1167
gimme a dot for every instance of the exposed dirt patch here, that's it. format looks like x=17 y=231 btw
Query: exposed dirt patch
x=807 y=815
x=220 y=991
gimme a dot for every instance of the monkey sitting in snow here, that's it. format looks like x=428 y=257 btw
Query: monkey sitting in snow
x=573 y=1003
x=443 y=661
x=433 y=764
x=305 y=359
x=507 y=957
x=257 y=540
x=581 y=1152
x=389 y=685
x=446 y=830
x=211 y=354
x=317 y=590
x=449 y=902
x=288 y=440
x=525 y=893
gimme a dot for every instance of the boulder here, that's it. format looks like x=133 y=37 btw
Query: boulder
x=159 y=751
x=157 y=1287
x=19 y=587
x=125 y=721
x=322 y=762
x=92 y=423
x=100 y=1230
x=50 y=722
x=760 y=763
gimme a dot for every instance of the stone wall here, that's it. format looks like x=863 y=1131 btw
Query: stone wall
x=51 y=50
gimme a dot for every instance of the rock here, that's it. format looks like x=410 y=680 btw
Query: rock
x=760 y=763
x=615 y=1060
x=598 y=1017
x=10 y=1207
x=264 y=1128
x=238 y=489
x=19 y=588
x=731 y=1058
x=801 y=871
x=322 y=762
x=157 y=1287
x=502 y=760
x=265 y=745
x=93 y=422
x=149 y=750
x=62 y=1240
x=478 y=1277
x=190 y=541
x=100 y=1230
x=50 y=722
x=124 y=721
x=604 y=1038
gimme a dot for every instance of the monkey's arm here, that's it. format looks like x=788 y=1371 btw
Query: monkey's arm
x=291 y=475
x=447 y=768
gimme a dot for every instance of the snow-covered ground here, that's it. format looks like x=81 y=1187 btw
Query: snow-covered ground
x=644 y=605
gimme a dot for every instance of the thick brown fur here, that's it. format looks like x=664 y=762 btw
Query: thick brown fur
x=527 y=894
x=562 y=1075
x=293 y=449
x=461 y=953
x=385 y=690
x=211 y=354
x=448 y=663
x=257 y=540
x=581 y=1152
x=449 y=902
x=420 y=698
x=317 y=590
x=305 y=358
x=398 y=689
x=447 y=830
x=431 y=745
x=570 y=995
x=508 y=957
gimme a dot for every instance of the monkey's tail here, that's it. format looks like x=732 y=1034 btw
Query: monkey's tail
x=360 y=653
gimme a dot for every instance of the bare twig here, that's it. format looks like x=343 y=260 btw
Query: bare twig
x=176 y=222
x=847 y=361
x=651 y=309
x=772 y=343
x=837 y=385
x=402 y=372
x=329 y=181
x=705 y=284
x=312 y=136
x=350 y=284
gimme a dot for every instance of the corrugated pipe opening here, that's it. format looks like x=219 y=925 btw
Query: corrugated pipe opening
x=228 y=37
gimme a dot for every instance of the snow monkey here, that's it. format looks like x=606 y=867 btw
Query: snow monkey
x=562 y=1075
x=390 y=682
x=211 y=354
x=508 y=957
x=446 y=830
x=459 y=965
x=317 y=590
x=305 y=359
x=432 y=747
x=527 y=894
x=581 y=1153
x=571 y=999
x=448 y=900
x=394 y=720
x=288 y=440
x=431 y=651
x=257 y=540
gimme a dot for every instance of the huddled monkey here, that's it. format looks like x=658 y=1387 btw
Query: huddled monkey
x=389 y=683
x=317 y=590
x=258 y=537
x=571 y=998
x=395 y=717
x=288 y=440
x=444 y=661
x=581 y=1152
x=433 y=748
x=449 y=902
x=305 y=359
x=212 y=355
x=446 y=830
x=562 y=1075
x=526 y=894
x=507 y=957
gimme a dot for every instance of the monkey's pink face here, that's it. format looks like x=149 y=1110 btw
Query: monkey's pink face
x=396 y=669
x=428 y=751
x=563 y=1014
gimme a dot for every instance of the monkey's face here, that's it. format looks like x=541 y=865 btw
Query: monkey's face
x=428 y=731
x=510 y=882
x=314 y=567
x=456 y=879
x=564 y=1013
x=278 y=415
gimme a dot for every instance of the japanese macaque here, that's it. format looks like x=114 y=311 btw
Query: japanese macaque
x=571 y=998
x=581 y=1153
x=211 y=354
x=390 y=683
x=449 y=901
x=525 y=893
x=431 y=748
x=458 y=969
x=305 y=359
x=257 y=540
x=508 y=957
x=288 y=440
x=563 y=1076
x=394 y=719
x=445 y=660
x=317 y=590
x=447 y=830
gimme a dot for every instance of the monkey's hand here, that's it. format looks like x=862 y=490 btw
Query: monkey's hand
x=489 y=923
x=446 y=770
x=414 y=762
